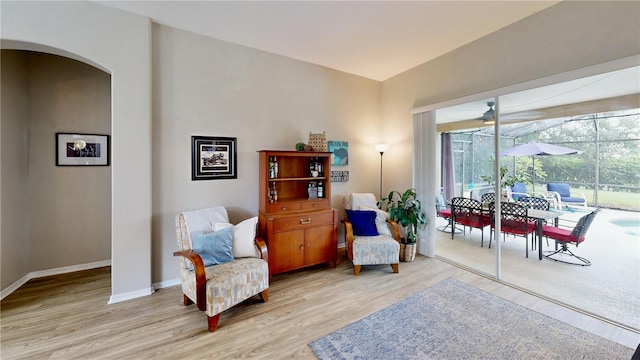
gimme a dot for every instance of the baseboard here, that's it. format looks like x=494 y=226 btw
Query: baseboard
x=69 y=269
x=13 y=287
x=42 y=273
x=130 y=295
x=166 y=283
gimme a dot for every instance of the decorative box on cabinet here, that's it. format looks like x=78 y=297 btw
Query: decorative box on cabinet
x=300 y=231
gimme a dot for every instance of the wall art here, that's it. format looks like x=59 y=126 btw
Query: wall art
x=75 y=149
x=213 y=158
x=339 y=152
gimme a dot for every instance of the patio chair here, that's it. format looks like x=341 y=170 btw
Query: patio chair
x=514 y=221
x=443 y=210
x=517 y=191
x=564 y=237
x=562 y=194
x=469 y=212
x=488 y=198
x=537 y=203
x=534 y=202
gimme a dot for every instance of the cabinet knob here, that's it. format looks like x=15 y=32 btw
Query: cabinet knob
x=284 y=208
x=315 y=205
x=303 y=222
x=301 y=247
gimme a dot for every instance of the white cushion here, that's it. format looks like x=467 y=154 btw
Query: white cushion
x=244 y=235
x=201 y=220
x=363 y=199
x=381 y=220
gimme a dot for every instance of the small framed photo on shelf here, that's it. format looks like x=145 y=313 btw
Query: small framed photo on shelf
x=213 y=158
x=74 y=149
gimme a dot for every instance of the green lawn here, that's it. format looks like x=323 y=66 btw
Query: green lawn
x=609 y=199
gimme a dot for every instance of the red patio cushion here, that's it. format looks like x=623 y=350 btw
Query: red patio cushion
x=516 y=227
x=473 y=220
x=560 y=234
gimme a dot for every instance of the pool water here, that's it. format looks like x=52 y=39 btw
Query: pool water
x=631 y=225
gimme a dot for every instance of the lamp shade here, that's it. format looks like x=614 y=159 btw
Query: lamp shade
x=381 y=147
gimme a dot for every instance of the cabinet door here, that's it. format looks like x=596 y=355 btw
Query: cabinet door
x=318 y=245
x=287 y=251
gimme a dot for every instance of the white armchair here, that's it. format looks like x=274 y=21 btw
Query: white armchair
x=379 y=245
x=221 y=264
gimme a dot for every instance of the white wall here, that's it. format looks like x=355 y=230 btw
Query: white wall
x=118 y=43
x=568 y=36
x=206 y=87
x=68 y=217
x=202 y=86
x=14 y=167
x=70 y=205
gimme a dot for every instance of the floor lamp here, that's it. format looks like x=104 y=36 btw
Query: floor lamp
x=381 y=148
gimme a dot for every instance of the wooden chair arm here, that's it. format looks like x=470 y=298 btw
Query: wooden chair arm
x=262 y=246
x=348 y=237
x=395 y=230
x=201 y=278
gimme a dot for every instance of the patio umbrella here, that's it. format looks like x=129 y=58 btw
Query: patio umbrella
x=538 y=149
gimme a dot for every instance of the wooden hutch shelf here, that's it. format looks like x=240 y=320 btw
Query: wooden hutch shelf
x=295 y=215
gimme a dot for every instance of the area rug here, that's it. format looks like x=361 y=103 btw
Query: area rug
x=453 y=320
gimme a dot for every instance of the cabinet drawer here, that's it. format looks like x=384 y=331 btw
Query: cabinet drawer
x=302 y=220
x=282 y=207
x=314 y=204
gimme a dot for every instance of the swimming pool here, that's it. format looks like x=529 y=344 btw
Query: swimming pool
x=631 y=225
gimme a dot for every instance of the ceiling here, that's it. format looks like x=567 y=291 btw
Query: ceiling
x=373 y=39
x=612 y=91
x=380 y=39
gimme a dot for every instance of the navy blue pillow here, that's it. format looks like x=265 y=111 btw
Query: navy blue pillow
x=214 y=247
x=363 y=221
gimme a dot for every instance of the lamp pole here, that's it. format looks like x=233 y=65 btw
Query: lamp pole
x=381 y=148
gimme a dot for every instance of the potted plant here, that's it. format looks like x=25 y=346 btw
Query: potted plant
x=507 y=182
x=406 y=210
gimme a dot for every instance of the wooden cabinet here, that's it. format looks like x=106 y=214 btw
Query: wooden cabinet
x=300 y=229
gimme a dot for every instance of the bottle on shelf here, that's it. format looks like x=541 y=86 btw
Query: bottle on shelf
x=312 y=190
x=272 y=168
x=320 y=167
x=320 y=190
x=312 y=167
x=273 y=193
x=275 y=166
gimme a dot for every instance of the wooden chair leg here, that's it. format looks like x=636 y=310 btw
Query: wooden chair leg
x=395 y=268
x=213 y=322
x=264 y=295
x=186 y=301
x=356 y=269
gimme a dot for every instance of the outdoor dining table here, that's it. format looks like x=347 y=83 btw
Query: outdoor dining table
x=540 y=216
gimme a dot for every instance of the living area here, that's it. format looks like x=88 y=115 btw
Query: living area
x=164 y=85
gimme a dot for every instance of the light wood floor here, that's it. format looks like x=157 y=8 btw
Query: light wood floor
x=67 y=316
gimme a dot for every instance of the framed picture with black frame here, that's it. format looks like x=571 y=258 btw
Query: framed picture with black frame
x=213 y=158
x=76 y=149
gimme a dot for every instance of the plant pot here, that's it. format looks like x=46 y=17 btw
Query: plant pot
x=407 y=252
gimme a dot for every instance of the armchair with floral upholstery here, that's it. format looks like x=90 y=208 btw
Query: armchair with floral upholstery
x=371 y=237
x=221 y=264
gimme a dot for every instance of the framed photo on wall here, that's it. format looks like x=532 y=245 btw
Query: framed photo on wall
x=213 y=158
x=74 y=149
